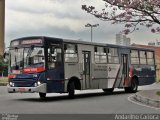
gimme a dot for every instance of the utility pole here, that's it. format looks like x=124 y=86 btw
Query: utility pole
x=2 y=26
x=91 y=26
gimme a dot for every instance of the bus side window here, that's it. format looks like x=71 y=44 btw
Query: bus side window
x=113 y=55
x=134 y=57
x=51 y=58
x=70 y=53
x=150 y=58
x=100 y=55
x=54 y=56
x=143 y=59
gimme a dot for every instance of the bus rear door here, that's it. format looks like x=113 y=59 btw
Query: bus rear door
x=86 y=61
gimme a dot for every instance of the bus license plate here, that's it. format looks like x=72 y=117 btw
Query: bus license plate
x=21 y=89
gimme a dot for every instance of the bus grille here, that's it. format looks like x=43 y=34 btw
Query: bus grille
x=23 y=83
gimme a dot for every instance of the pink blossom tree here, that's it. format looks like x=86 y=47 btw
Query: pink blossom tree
x=131 y=13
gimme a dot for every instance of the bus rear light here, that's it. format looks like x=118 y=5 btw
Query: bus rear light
x=130 y=72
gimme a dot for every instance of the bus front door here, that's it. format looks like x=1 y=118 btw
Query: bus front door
x=86 y=59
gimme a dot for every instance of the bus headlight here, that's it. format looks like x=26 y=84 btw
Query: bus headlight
x=39 y=83
x=11 y=84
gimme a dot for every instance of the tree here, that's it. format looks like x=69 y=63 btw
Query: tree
x=131 y=13
x=3 y=67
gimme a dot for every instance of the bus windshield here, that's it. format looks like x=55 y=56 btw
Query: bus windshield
x=26 y=57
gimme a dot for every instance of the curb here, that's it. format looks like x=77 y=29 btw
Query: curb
x=147 y=101
x=3 y=84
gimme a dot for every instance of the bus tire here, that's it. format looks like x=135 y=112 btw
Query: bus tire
x=71 y=90
x=133 y=88
x=42 y=95
x=108 y=90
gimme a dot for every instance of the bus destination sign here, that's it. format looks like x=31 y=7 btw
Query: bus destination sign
x=33 y=41
x=26 y=42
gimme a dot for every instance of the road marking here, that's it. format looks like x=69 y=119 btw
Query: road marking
x=141 y=104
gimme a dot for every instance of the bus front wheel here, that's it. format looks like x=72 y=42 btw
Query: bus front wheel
x=42 y=95
x=71 y=90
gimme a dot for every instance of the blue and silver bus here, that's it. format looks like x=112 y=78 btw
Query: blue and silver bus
x=52 y=65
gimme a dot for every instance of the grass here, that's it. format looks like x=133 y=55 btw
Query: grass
x=158 y=93
x=4 y=79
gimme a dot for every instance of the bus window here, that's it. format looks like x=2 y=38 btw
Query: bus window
x=70 y=53
x=16 y=56
x=33 y=56
x=134 y=57
x=113 y=55
x=100 y=55
x=54 y=56
x=150 y=58
x=143 y=57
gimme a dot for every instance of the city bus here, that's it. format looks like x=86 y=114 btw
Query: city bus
x=41 y=64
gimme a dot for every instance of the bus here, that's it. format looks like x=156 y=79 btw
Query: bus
x=41 y=64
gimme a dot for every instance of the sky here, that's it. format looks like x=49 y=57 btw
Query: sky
x=63 y=19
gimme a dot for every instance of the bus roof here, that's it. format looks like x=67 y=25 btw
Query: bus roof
x=45 y=38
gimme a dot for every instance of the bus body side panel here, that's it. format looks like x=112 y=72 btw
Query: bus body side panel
x=99 y=76
x=77 y=69
x=114 y=75
x=71 y=70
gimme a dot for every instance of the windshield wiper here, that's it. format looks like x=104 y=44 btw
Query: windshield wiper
x=30 y=51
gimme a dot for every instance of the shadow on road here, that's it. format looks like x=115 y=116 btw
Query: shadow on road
x=77 y=96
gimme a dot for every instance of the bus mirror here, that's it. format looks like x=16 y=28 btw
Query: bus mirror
x=65 y=46
x=29 y=60
x=6 y=57
x=52 y=50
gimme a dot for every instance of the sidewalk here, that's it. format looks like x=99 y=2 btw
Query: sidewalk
x=149 y=97
x=3 y=84
x=3 y=81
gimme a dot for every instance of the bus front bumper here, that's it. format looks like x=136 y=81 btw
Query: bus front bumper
x=41 y=88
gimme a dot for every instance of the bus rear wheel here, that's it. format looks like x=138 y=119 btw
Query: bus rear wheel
x=42 y=95
x=71 y=90
x=133 y=88
x=108 y=90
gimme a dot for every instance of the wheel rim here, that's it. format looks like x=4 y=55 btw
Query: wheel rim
x=134 y=86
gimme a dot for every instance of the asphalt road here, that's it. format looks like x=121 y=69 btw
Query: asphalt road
x=86 y=102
